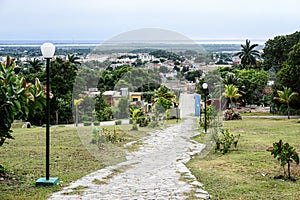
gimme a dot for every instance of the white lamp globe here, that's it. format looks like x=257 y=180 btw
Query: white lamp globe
x=48 y=50
x=204 y=86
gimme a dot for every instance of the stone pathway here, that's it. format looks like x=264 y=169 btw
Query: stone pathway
x=156 y=171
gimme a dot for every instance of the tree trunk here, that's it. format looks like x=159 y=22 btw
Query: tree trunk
x=289 y=170
x=56 y=115
x=76 y=116
x=288 y=109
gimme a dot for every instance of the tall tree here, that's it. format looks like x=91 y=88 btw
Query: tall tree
x=248 y=54
x=62 y=78
x=164 y=98
x=286 y=96
x=289 y=74
x=252 y=82
x=276 y=50
x=102 y=108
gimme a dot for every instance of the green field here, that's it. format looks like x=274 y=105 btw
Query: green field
x=248 y=172
x=71 y=157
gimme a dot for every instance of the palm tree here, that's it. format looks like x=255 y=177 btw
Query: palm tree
x=248 y=54
x=164 y=99
x=286 y=96
x=231 y=92
x=35 y=65
x=73 y=59
x=230 y=78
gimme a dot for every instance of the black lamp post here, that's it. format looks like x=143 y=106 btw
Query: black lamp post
x=204 y=86
x=48 y=50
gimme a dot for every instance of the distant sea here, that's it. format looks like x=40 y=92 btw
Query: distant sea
x=35 y=43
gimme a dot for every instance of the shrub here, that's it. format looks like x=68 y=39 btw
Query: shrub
x=211 y=115
x=96 y=123
x=95 y=135
x=118 y=122
x=143 y=121
x=86 y=123
x=101 y=137
x=285 y=154
x=225 y=141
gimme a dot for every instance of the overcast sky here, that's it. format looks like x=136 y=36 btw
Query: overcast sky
x=103 y=19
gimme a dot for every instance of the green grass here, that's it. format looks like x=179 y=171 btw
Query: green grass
x=257 y=114
x=248 y=173
x=71 y=156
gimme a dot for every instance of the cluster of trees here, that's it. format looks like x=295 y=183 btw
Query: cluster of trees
x=135 y=79
x=62 y=78
x=279 y=62
x=282 y=55
x=167 y=55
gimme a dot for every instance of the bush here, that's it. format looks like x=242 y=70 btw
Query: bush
x=101 y=137
x=225 y=140
x=143 y=121
x=86 y=123
x=96 y=123
x=118 y=122
x=211 y=116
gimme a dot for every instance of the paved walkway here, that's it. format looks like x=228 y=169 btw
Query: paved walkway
x=156 y=171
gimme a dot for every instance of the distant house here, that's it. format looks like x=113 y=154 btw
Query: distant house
x=236 y=60
x=145 y=57
x=91 y=92
x=112 y=97
x=135 y=96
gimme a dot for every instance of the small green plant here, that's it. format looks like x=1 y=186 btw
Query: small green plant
x=285 y=154
x=211 y=115
x=2 y=170
x=105 y=135
x=95 y=135
x=143 y=121
x=225 y=141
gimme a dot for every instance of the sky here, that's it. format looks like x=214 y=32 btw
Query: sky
x=104 y=19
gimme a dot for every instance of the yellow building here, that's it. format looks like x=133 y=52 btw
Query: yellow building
x=135 y=96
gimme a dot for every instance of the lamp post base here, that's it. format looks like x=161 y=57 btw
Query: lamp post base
x=43 y=182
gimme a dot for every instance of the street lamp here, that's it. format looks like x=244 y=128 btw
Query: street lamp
x=48 y=50
x=204 y=86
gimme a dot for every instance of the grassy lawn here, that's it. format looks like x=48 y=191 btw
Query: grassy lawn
x=248 y=173
x=71 y=156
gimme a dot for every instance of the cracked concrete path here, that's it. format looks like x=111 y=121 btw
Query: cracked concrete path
x=156 y=171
